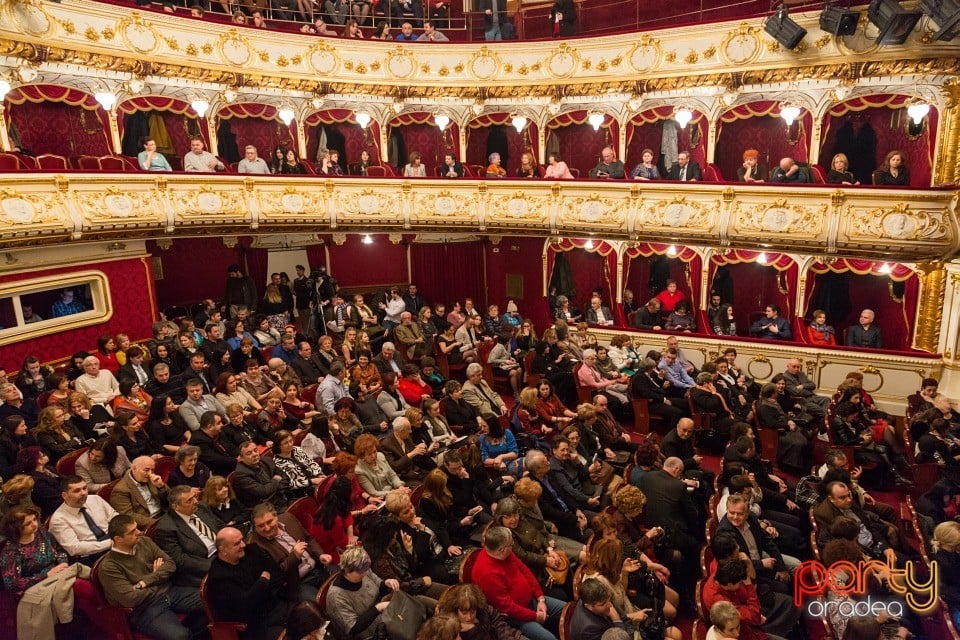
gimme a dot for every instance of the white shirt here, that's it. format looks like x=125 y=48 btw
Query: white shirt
x=98 y=388
x=70 y=528
x=211 y=545
x=152 y=503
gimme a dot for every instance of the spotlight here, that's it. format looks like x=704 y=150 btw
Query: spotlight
x=894 y=22
x=783 y=29
x=839 y=21
x=946 y=14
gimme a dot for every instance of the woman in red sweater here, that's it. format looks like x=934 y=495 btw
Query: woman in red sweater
x=669 y=297
x=511 y=588
x=819 y=332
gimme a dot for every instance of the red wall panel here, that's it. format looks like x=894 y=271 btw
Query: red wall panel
x=356 y=264
x=518 y=256
x=183 y=282
x=131 y=290
x=56 y=127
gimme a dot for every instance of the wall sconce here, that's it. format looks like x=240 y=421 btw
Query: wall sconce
x=107 y=99
x=367 y=239
x=588 y=244
x=918 y=111
x=672 y=250
x=595 y=118
x=200 y=106
x=683 y=116
x=762 y=258
x=442 y=121
x=885 y=269
x=363 y=119
x=789 y=112
x=518 y=122
x=286 y=115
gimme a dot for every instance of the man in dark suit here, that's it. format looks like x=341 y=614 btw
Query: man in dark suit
x=757 y=541
x=257 y=479
x=135 y=369
x=671 y=507
x=389 y=361
x=164 y=382
x=571 y=522
x=678 y=443
x=684 y=170
x=187 y=533
x=213 y=453
x=414 y=300
x=246 y=585
x=197 y=369
x=646 y=383
x=300 y=557
x=865 y=335
x=308 y=365
x=878 y=537
x=595 y=613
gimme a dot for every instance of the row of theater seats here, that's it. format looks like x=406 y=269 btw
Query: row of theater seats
x=113 y=163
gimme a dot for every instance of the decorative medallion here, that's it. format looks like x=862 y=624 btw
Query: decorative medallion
x=741 y=46
x=137 y=34
x=401 y=63
x=209 y=202
x=563 y=62
x=646 y=54
x=18 y=210
x=444 y=204
x=676 y=214
x=484 y=65
x=234 y=48
x=776 y=219
x=898 y=225
x=118 y=205
x=323 y=58
x=30 y=17
x=368 y=204
x=517 y=207
x=292 y=202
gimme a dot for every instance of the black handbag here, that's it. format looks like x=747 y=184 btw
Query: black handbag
x=403 y=616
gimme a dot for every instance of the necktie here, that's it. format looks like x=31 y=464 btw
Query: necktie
x=683 y=174
x=547 y=484
x=98 y=533
x=340 y=316
x=141 y=374
x=201 y=526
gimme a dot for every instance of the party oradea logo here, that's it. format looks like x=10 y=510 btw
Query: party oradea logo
x=851 y=583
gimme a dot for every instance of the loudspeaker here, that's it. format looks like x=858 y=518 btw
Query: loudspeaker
x=946 y=14
x=894 y=22
x=783 y=29
x=839 y=21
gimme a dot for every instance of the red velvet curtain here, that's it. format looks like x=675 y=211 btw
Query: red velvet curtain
x=67 y=128
x=258 y=124
x=479 y=131
x=429 y=259
x=255 y=261
x=178 y=117
x=757 y=285
x=316 y=257
x=596 y=267
x=758 y=125
x=645 y=131
x=887 y=115
x=685 y=268
x=580 y=145
x=380 y=263
x=869 y=289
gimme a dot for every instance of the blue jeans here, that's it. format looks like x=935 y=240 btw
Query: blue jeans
x=158 y=619
x=493 y=33
x=536 y=631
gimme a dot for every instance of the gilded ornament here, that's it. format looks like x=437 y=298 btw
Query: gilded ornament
x=361 y=68
x=374 y=66
x=670 y=56
x=822 y=41
x=616 y=62
x=108 y=33
x=348 y=65
x=264 y=56
x=400 y=63
x=443 y=71
x=31 y=17
x=741 y=46
x=709 y=52
x=68 y=26
x=602 y=66
x=645 y=54
x=458 y=68
x=562 y=63
x=323 y=58
x=523 y=70
x=508 y=68
x=484 y=64
x=692 y=57
x=282 y=62
x=92 y=34
x=773 y=46
x=234 y=48
x=296 y=60
x=172 y=43
x=425 y=67
x=206 y=48
x=191 y=49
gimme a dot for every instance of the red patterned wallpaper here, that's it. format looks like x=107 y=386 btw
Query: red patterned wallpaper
x=131 y=290
x=56 y=127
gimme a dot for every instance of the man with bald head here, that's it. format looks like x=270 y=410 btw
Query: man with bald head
x=140 y=493
x=410 y=335
x=865 y=335
x=801 y=386
x=790 y=171
x=245 y=585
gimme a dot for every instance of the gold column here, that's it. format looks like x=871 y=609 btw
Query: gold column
x=462 y=135
x=4 y=138
x=815 y=135
x=947 y=158
x=212 y=135
x=933 y=281
x=114 y=130
x=622 y=144
x=301 y=138
x=711 y=140
x=542 y=146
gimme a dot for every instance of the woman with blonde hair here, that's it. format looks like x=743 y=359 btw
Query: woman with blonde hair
x=840 y=171
x=56 y=434
x=219 y=496
x=274 y=307
x=528 y=167
x=946 y=552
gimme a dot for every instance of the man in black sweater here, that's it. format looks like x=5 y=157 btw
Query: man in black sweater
x=246 y=585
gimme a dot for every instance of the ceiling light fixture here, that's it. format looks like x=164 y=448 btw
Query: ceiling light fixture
x=367 y=239
x=672 y=250
x=588 y=244
x=595 y=118
x=789 y=112
x=441 y=121
x=518 y=122
x=683 y=116
x=286 y=115
x=107 y=99
x=200 y=106
x=363 y=119
x=885 y=268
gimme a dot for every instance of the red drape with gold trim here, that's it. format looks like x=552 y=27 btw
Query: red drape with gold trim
x=758 y=125
x=356 y=139
x=479 y=130
x=178 y=117
x=60 y=120
x=580 y=145
x=757 y=285
x=258 y=124
x=887 y=115
x=596 y=267
x=870 y=289
x=645 y=131
x=421 y=134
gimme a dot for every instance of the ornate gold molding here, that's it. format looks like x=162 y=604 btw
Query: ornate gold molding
x=933 y=282
x=914 y=226
x=948 y=142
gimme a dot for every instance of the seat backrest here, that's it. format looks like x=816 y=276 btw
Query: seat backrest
x=817 y=174
x=107 y=489
x=416 y=495
x=10 y=162
x=641 y=415
x=164 y=465
x=376 y=171
x=303 y=509
x=113 y=163
x=566 y=617
x=88 y=163
x=67 y=464
x=324 y=590
x=27 y=162
x=575 y=172
x=466 y=567
x=52 y=162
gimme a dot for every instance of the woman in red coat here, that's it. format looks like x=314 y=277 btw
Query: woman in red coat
x=819 y=332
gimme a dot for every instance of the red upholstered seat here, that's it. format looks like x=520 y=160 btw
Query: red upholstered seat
x=376 y=171
x=88 y=163
x=10 y=162
x=113 y=163
x=303 y=510
x=67 y=465
x=52 y=162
